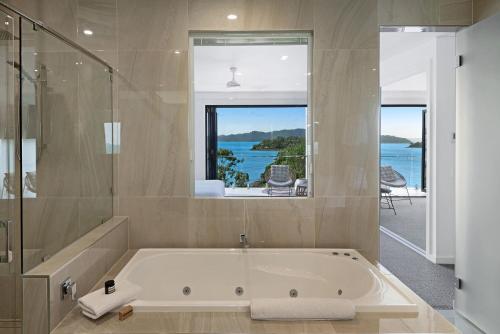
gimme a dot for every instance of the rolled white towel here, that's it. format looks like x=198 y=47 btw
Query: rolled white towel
x=97 y=303
x=302 y=309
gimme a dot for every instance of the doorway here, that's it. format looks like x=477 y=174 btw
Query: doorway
x=417 y=159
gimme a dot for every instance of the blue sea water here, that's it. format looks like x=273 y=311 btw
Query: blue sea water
x=254 y=162
x=407 y=161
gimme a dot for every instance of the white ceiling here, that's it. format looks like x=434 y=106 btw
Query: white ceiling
x=392 y=43
x=260 y=68
x=416 y=82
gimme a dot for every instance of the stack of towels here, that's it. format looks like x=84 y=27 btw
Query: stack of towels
x=302 y=309
x=97 y=303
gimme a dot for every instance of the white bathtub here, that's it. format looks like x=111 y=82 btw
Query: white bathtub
x=192 y=280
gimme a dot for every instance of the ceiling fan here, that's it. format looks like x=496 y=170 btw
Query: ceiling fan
x=233 y=83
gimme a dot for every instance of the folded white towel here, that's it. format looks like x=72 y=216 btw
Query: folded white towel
x=302 y=309
x=97 y=303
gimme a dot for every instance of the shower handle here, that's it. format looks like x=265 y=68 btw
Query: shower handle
x=7 y=257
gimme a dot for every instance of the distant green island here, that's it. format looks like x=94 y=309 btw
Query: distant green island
x=387 y=139
x=415 y=145
x=260 y=136
x=277 y=144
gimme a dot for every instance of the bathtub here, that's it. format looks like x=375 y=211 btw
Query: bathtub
x=220 y=280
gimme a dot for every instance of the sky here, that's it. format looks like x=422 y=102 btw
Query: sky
x=243 y=120
x=403 y=122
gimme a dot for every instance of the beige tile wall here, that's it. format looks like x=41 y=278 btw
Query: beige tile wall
x=151 y=103
x=485 y=8
x=85 y=261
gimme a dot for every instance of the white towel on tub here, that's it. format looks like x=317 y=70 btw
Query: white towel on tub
x=97 y=303
x=302 y=309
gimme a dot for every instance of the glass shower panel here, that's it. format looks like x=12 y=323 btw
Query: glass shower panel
x=10 y=261
x=67 y=171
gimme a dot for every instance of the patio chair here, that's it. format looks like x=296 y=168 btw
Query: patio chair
x=8 y=184
x=393 y=179
x=30 y=182
x=280 y=177
x=385 y=193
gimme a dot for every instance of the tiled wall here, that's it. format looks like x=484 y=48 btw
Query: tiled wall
x=139 y=37
x=85 y=261
x=485 y=8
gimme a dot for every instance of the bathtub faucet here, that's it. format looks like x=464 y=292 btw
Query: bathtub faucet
x=244 y=241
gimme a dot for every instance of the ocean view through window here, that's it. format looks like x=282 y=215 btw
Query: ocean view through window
x=252 y=138
x=401 y=144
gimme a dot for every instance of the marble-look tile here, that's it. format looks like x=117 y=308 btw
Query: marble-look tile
x=154 y=153
x=215 y=223
x=57 y=154
x=72 y=251
x=156 y=222
x=92 y=212
x=94 y=108
x=57 y=14
x=35 y=306
x=408 y=12
x=152 y=25
x=8 y=285
x=156 y=71
x=49 y=224
x=346 y=119
x=348 y=222
x=485 y=8
x=455 y=12
x=252 y=15
x=99 y=16
x=345 y=24
x=280 y=222
x=86 y=269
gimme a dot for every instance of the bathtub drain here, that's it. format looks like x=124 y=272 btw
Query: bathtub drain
x=239 y=291
x=186 y=291
x=294 y=293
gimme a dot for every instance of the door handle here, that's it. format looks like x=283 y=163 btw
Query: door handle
x=7 y=257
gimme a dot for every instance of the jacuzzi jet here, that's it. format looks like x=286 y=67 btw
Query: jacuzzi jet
x=294 y=293
x=347 y=254
x=355 y=258
x=186 y=291
x=238 y=291
x=335 y=253
x=339 y=292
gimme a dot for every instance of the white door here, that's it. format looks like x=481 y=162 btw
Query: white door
x=478 y=174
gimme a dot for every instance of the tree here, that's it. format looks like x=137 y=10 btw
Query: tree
x=227 y=170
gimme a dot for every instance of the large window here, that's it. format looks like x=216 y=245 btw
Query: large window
x=402 y=143
x=250 y=139
x=252 y=133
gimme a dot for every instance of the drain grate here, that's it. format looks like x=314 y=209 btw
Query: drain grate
x=186 y=291
x=239 y=291
x=294 y=293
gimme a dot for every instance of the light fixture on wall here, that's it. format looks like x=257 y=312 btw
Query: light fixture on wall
x=232 y=17
x=88 y=32
x=233 y=83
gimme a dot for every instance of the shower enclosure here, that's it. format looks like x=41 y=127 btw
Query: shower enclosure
x=56 y=149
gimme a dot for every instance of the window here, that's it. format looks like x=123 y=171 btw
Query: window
x=251 y=118
x=402 y=143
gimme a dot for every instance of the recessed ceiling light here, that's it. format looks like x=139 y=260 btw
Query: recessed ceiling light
x=36 y=70
x=232 y=17
x=284 y=57
x=177 y=52
x=35 y=53
x=88 y=32
x=6 y=23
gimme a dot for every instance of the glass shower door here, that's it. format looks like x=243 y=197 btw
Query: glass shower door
x=10 y=261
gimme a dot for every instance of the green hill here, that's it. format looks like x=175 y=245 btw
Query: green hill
x=260 y=136
x=387 y=139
